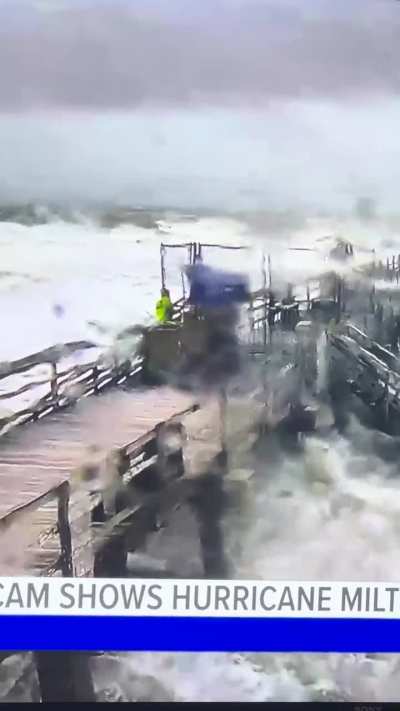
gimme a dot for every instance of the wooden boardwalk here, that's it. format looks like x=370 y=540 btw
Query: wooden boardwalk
x=81 y=487
x=37 y=457
x=37 y=460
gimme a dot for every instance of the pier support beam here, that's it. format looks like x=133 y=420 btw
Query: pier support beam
x=64 y=677
x=110 y=562
x=208 y=505
x=64 y=531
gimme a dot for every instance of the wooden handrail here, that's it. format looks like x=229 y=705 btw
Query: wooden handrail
x=43 y=498
x=48 y=355
x=88 y=377
x=23 y=389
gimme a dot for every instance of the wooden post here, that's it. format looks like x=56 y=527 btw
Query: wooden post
x=251 y=321
x=207 y=504
x=265 y=324
x=64 y=531
x=95 y=376
x=197 y=252
x=372 y=299
x=338 y=299
x=343 y=292
x=223 y=408
x=183 y=288
x=170 y=463
x=162 y=265
x=53 y=381
x=386 y=400
x=269 y=272
x=265 y=310
x=64 y=676
x=110 y=561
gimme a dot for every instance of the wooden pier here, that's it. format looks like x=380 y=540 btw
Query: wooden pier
x=88 y=473
x=95 y=465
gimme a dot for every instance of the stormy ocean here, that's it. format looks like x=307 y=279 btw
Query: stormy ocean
x=330 y=514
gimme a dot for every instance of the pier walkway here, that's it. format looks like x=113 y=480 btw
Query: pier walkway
x=43 y=464
x=39 y=457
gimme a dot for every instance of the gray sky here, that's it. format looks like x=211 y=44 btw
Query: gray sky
x=104 y=54
x=218 y=103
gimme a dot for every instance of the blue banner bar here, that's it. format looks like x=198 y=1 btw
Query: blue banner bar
x=189 y=634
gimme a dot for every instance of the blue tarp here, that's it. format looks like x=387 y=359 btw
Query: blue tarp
x=213 y=288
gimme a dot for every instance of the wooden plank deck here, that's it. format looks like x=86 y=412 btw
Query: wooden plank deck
x=37 y=457
x=41 y=456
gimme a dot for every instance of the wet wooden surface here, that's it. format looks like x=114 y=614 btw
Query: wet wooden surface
x=38 y=456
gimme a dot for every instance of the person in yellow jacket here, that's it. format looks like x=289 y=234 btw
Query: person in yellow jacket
x=164 y=308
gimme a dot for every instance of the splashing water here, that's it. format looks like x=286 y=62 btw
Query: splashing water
x=341 y=495
x=302 y=511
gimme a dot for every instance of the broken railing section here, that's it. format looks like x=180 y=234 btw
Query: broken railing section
x=65 y=386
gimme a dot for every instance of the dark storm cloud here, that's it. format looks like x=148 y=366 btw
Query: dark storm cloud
x=124 y=54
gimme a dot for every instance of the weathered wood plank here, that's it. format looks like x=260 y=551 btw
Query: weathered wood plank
x=38 y=458
x=36 y=462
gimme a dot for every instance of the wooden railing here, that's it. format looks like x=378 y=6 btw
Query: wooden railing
x=370 y=359
x=18 y=516
x=264 y=315
x=65 y=386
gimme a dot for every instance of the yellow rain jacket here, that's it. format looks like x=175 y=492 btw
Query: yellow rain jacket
x=164 y=309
